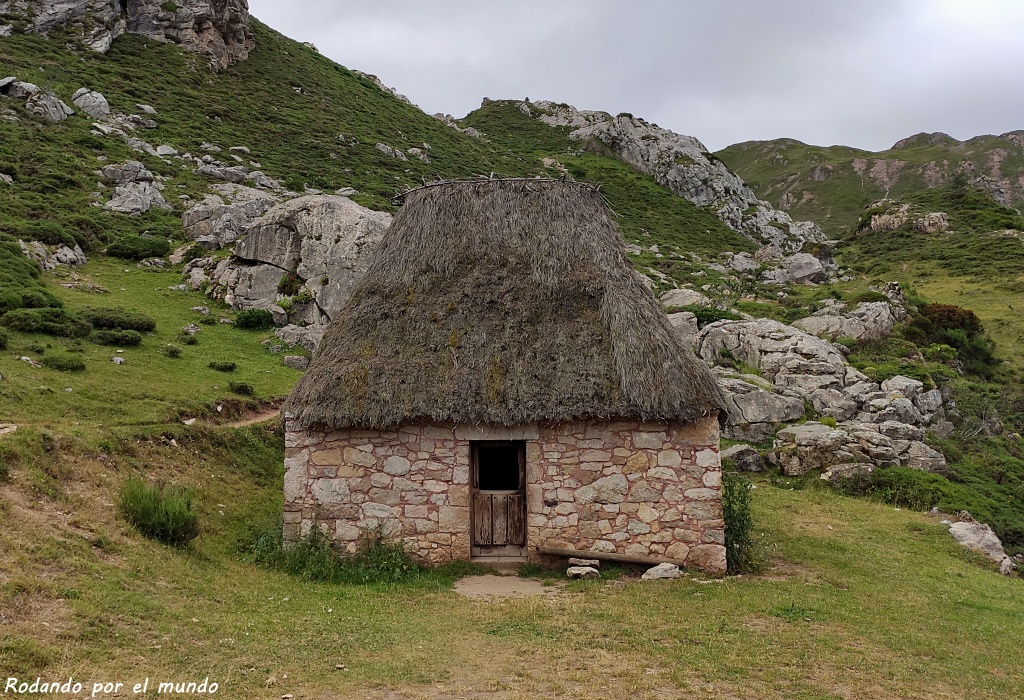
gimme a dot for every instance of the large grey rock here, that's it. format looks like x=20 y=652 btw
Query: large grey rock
x=48 y=106
x=756 y=411
x=306 y=336
x=50 y=257
x=906 y=386
x=772 y=347
x=586 y=573
x=837 y=473
x=325 y=239
x=129 y=171
x=685 y=325
x=18 y=89
x=980 y=538
x=218 y=224
x=136 y=198
x=684 y=297
x=216 y=28
x=868 y=321
x=683 y=165
x=809 y=446
x=921 y=456
x=746 y=458
x=236 y=173
x=91 y=102
x=662 y=571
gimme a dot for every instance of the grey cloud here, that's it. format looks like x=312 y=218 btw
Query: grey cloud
x=864 y=74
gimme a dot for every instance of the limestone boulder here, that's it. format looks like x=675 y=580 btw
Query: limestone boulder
x=216 y=224
x=48 y=106
x=50 y=257
x=745 y=457
x=684 y=297
x=136 y=198
x=868 y=321
x=979 y=537
x=773 y=348
x=326 y=240
x=91 y=102
x=129 y=171
x=809 y=446
x=755 y=410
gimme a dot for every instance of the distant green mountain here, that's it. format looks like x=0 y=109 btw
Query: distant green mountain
x=832 y=185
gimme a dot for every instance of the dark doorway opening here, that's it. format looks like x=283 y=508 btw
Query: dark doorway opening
x=499 y=499
x=498 y=466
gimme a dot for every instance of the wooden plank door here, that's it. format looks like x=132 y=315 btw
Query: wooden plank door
x=498 y=518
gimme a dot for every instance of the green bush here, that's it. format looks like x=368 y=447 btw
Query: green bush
x=864 y=297
x=63 y=362
x=241 y=388
x=163 y=513
x=739 y=523
x=187 y=338
x=254 y=319
x=49 y=321
x=3 y=339
x=118 y=319
x=378 y=560
x=139 y=247
x=707 y=314
x=221 y=366
x=121 y=339
x=290 y=284
x=172 y=350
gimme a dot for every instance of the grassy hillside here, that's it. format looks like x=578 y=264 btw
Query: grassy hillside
x=832 y=185
x=858 y=599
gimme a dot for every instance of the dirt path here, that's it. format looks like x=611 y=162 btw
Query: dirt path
x=262 y=417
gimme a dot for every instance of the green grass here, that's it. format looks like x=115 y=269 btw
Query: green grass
x=785 y=166
x=150 y=387
x=118 y=605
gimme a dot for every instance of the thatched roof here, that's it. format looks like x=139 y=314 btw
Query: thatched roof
x=501 y=302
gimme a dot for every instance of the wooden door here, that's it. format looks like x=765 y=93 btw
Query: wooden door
x=498 y=512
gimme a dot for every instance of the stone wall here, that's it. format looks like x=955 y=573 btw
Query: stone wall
x=643 y=489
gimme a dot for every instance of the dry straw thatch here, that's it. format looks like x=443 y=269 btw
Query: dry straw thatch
x=501 y=302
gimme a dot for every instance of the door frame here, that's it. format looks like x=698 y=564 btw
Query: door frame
x=507 y=551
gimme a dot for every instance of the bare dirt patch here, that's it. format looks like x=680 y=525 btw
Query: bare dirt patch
x=491 y=586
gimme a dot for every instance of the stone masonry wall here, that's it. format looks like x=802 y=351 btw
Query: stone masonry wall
x=645 y=489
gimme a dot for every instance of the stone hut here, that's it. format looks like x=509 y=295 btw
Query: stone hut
x=502 y=384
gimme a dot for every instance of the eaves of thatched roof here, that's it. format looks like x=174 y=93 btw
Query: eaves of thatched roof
x=502 y=302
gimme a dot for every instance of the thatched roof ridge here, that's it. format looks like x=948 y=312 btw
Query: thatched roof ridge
x=502 y=302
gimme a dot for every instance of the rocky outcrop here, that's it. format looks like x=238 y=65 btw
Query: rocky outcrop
x=215 y=223
x=300 y=260
x=136 y=191
x=979 y=537
x=218 y=29
x=880 y=425
x=48 y=106
x=866 y=321
x=814 y=446
x=683 y=165
x=91 y=102
x=50 y=256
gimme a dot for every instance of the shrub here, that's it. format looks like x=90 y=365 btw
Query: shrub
x=172 y=350
x=378 y=560
x=864 y=297
x=118 y=319
x=49 y=321
x=162 y=513
x=121 y=339
x=739 y=523
x=3 y=339
x=829 y=421
x=254 y=319
x=187 y=338
x=241 y=388
x=64 y=363
x=223 y=366
x=139 y=248
x=708 y=314
x=290 y=284
x=939 y=352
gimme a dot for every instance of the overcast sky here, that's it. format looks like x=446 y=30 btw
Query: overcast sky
x=862 y=73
